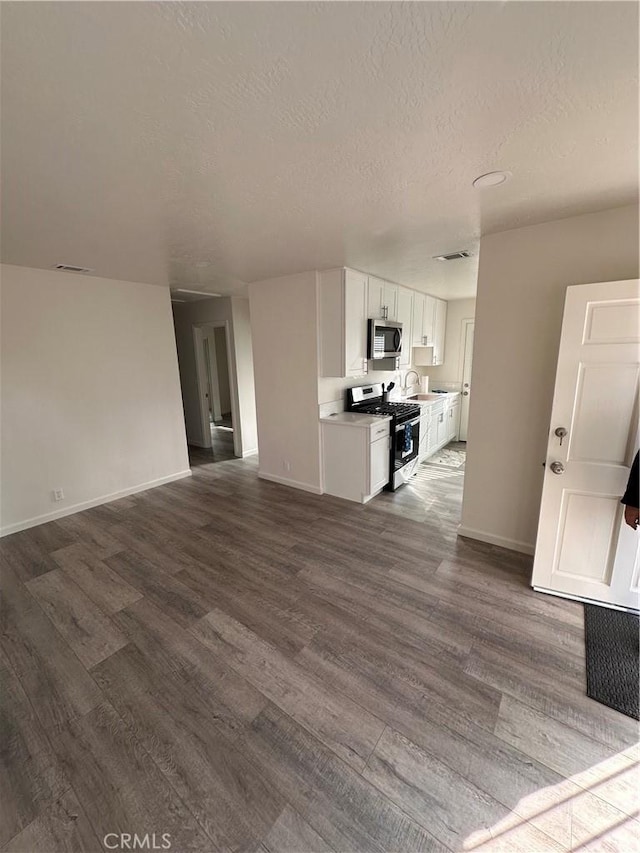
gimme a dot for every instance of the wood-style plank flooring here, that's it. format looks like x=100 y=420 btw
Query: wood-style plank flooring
x=221 y=449
x=245 y=667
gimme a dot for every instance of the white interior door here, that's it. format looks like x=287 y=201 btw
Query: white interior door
x=211 y=366
x=468 y=327
x=583 y=549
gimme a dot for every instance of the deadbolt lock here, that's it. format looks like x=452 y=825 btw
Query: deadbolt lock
x=560 y=432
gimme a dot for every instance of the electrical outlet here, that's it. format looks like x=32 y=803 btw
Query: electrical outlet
x=58 y=495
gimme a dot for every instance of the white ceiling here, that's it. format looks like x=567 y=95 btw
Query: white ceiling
x=210 y=144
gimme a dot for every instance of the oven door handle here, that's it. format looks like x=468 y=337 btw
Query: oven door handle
x=407 y=423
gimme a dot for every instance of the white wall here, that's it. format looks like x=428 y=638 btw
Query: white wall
x=332 y=388
x=90 y=392
x=235 y=313
x=246 y=388
x=285 y=350
x=523 y=275
x=451 y=369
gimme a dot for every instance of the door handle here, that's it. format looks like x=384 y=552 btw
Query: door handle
x=557 y=467
x=465 y=393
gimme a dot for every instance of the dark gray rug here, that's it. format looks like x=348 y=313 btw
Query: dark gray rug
x=613 y=649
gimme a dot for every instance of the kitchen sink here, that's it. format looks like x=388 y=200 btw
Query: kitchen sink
x=420 y=397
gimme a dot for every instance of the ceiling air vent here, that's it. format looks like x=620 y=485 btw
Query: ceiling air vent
x=71 y=268
x=453 y=256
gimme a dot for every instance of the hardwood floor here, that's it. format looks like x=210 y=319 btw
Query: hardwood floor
x=250 y=668
x=221 y=448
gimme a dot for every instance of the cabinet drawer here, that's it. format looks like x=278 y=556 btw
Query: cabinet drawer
x=380 y=430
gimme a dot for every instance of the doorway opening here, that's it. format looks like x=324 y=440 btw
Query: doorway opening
x=213 y=360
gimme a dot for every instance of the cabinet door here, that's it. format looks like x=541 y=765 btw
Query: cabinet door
x=428 y=321
x=442 y=428
x=440 y=324
x=390 y=300
x=416 y=325
x=432 y=439
x=454 y=421
x=405 y=316
x=355 y=323
x=379 y=464
x=451 y=427
x=375 y=298
x=425 y=426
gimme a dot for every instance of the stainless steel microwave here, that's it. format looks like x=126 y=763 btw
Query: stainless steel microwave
x=384 y=339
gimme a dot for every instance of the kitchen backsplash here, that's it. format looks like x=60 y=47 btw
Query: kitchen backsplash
x=437 y=385
x=332 y=392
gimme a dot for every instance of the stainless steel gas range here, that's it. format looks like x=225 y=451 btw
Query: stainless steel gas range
x=405 y=429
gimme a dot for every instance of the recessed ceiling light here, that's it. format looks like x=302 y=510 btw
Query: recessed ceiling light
x=491 y=179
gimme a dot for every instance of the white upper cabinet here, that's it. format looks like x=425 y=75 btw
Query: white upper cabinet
x=347 y=299
x=375 y=298
x=439 y=328
x=424 y=308
x=355 y=323
x=418 y=313
x=390 y=300
x=429 y=326
x=405 y=316
x=428 y=321
x=342 y=303
x=383 y=299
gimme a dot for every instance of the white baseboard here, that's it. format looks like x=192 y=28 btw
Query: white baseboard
x=104 y=499
x=585 y=600
x=295 y=484
x=246 y=453
x=491 y=539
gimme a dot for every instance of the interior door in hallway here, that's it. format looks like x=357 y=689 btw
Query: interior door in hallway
x=584 y=550
x=467 y=355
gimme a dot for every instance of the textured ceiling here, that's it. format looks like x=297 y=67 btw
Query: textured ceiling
x=210 y=144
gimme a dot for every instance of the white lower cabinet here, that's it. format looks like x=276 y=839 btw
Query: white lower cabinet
x=356 y=455
x=425 y=430
x=442 y=428
x=439 y=424
x=379 y=451
x=454 y=420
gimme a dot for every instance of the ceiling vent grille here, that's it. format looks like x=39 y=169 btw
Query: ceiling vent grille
x=71 y=268
x=453 y=256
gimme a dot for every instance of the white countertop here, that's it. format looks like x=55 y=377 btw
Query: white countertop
x=354 y=419
x=433 y=397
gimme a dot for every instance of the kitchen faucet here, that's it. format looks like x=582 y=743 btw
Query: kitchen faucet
x=417 y=375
